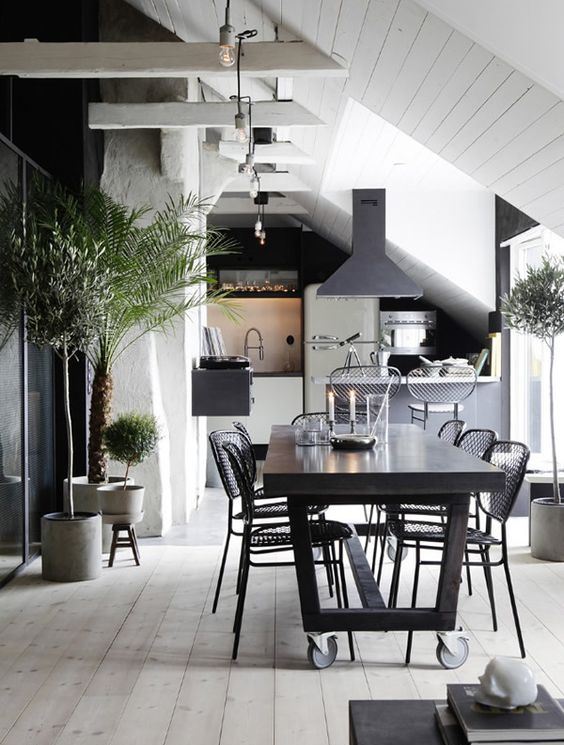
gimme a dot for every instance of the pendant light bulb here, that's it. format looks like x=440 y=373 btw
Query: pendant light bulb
x=254 y=186
x=227 y=42
x=258 y=228
x=249 y=165
x=262 y=240
x=241 y=134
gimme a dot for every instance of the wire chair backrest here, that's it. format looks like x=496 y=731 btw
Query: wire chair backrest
x=217 y=440
x=240 y=427
x=477 y=441
x=236 y=460
x=364 y=381
x=452 y=430
x=314 y=417
x=511 y=457
x=441 y=385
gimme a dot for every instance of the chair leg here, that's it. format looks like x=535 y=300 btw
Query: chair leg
x=468 y=575
x=413 y=600
x=241 y=602
x=113 y=547
x=489 y=585
x=336 y=575
x=512 y=599
x=392 y=597
x=368 y=526
x=345 y=598
x=382 y=550
x=377 y=539
x=328 y=569
x=240 y=568
x=221 y=570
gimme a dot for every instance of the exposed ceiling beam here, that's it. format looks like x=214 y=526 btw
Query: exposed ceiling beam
x=263 y=59
x=246 y=206
x=276 y=152
x=180 y=114
x=282 y=182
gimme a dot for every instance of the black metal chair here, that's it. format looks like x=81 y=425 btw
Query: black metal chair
x=450 y=431
x=270 y=539
x=511 y=457
x=363 y=380
x=439 y=390
x=312 y=417
x=272 y=510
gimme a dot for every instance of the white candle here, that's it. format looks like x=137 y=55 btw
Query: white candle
x=331 y=406
x=353 y=407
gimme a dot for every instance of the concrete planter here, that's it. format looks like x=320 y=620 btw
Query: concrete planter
x=71 y=549
x=113 y=499
x=86 y=500
x=547 y=530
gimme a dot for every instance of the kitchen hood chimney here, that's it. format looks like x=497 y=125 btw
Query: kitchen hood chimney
x=369 y=272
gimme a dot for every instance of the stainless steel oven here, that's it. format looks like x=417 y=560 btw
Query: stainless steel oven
x=409 y=332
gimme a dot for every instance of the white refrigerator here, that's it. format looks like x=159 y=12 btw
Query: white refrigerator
x=341 y=317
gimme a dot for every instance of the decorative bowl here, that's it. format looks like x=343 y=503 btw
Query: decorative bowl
x=353 y=442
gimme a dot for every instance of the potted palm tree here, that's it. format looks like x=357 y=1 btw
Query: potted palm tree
x=535 y=306
x=130 y=439
x=156 y=271
x=51 y=271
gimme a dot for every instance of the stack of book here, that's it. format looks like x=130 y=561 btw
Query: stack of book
x=463 y=720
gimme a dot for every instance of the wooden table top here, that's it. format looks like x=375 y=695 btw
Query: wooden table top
x=412 y=463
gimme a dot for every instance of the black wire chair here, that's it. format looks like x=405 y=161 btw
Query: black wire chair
x=277 y=510
x=270 y=539
x=363 y=380
x=450 y=431
x=313 y=417
x=509 y=456
x=439 y=390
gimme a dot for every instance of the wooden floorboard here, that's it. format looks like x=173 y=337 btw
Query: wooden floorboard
x=138 y=657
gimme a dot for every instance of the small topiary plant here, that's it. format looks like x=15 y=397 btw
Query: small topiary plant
x=131 y=438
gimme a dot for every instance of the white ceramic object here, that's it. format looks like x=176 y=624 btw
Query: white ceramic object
x=506 y=684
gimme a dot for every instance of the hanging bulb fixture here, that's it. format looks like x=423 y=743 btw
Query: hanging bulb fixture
x=258 y=228
x=227 y=41
x=262 y=239
x=248 y=166
x=254 y=186
x=241 y=134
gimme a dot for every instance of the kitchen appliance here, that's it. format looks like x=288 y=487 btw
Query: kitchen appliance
x=369 y=273
x=409 y=332
x=225 y=362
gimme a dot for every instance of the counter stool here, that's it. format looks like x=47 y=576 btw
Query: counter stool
x=123 y=524
x=439 y=390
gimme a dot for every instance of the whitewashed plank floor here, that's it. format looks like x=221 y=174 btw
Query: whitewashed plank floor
x=137 y=656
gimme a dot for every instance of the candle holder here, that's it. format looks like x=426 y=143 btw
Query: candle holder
x=353 y=426
x=331 y=427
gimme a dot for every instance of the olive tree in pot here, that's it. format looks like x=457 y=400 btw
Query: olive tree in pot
x=130 y=439
x=535 y=306
x=51 y=272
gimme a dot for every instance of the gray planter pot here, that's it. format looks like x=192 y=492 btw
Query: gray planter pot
x=86 y=500
x=547 y=530
x=71 y=549
x=113 y=499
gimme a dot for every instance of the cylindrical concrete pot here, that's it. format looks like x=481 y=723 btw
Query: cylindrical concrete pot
x=71 y=548
x=113 y=499
x=547 y=529
x=85 y=497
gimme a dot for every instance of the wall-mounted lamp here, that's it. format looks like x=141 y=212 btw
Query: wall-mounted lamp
x=227 y=41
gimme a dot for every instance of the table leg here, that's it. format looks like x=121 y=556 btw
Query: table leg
x=453 y=556
x=305 y=567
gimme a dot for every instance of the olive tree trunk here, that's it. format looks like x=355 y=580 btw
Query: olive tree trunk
x=68 y=422
x=100 y=417
x=555 y=484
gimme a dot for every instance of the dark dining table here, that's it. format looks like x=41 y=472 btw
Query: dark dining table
x=412 y=467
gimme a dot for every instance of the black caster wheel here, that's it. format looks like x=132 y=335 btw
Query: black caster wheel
x=319 y=660
x=449 y=660
x=391 y=548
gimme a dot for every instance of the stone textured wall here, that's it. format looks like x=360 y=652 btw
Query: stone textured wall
x=145 y=167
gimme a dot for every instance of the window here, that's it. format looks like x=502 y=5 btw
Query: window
x=530 y=421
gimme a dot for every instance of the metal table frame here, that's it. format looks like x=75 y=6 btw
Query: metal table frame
x=413 y=467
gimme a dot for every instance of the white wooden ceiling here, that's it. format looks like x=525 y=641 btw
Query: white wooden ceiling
x=416 y=72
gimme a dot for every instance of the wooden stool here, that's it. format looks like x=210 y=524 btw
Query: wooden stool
x=129 y=542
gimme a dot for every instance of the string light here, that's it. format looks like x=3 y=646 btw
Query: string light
x=227 y=41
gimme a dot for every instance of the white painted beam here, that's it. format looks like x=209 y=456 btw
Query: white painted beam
x=172 y=115
x=276 y=152
x=282 y=182
x=263 y=59
x=246 y=206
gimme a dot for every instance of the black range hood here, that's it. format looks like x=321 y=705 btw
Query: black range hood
x=369 y=272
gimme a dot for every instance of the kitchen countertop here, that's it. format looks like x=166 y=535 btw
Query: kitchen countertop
x=324 y=379
x=279 y=375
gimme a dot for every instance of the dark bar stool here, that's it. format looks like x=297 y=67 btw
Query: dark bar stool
x=123 y=524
